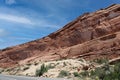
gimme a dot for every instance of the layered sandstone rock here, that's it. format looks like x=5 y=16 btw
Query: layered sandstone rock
x=88 y=36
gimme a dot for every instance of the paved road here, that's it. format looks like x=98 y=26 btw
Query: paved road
x=7 y=77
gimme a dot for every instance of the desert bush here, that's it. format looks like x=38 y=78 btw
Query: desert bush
x=42 y=70
x=84 y=74
x=98 y=72
x=107 y=72
x=63 y=73
x=76 y=74
x=101 y=60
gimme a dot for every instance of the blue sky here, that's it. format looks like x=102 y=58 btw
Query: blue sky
x=26 y=20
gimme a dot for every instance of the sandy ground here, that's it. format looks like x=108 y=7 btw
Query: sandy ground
x=69 y=65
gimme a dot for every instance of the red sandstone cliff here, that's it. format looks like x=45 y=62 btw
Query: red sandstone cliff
x=89 y=36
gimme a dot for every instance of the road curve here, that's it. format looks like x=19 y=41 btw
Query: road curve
x=10 y=77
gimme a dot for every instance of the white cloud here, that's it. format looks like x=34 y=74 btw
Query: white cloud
x=17 y=19
x=10 y=2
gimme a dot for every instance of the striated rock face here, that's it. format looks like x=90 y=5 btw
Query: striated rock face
x=89 y=36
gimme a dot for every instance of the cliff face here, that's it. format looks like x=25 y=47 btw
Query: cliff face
x=88 y=36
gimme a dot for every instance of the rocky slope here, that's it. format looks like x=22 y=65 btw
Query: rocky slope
x=54 y=68
x=89 y=36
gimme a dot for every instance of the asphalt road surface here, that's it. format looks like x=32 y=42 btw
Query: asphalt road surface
x=8 y=77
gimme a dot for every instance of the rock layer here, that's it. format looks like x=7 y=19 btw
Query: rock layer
x=89 y=36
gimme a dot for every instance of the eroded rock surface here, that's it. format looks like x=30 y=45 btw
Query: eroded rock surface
x=89 y=36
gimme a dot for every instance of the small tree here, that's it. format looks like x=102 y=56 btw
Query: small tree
x=42 y=70
x=63 y=73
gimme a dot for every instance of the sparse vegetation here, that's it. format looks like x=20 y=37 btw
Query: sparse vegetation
x=25 y=68
x=51 y=66
x=7 y=70
x=63 y=73
x=102 y=72
x=64 y=63
x=36 y=63
x=28 y=64
x=76 y=74
x=107 y=72
x=1 y=70
x=74 y=67
x=82 y=60
x=57 y=63
x=101 y=60
x=42 y=70
x=84 y=74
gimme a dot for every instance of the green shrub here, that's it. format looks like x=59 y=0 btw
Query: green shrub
x=101 y=60
x=107 y=72
x=42 y=70
x=63 y=73
x=98 y=72
x=84 y=74
x=76 y=74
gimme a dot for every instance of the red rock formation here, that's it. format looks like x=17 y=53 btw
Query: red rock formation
x=84 y=37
